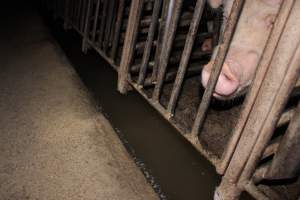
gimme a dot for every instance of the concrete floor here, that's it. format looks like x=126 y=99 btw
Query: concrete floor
x=53 y=143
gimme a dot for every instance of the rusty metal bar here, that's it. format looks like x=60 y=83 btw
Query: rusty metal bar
x=129 y=44
x=118 y=25
x=162 y=23
x=282 y=75
x=283 y=57
x=169 y=35
x=217 y=66
x=257 y=82
x=286 y=162
x=149 y=42
x=254 y=192
x=185 y=57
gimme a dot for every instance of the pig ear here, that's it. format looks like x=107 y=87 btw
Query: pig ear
x=215 y=3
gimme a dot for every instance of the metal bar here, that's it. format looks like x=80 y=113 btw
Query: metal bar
x=283 y=72
x=161 y=29
x=217 y=66
x=254 y=192
x=178 y=42
x=186 y=54
x=87 y=26
x=129 y=44
x=286 y=162
x=148 y=45
x=102 y=23
x=108 y=27
x=185 y=19
x=174 y=59
x=83 y=15
x=113 y=25
x=169 y=35
x=104 y=56
x=96 y=17
x=257 y=82
x=170 y=76
x=117 y=29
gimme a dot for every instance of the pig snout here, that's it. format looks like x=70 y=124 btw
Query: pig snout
x=236 y=74
x=246 y=48
x=227 y=83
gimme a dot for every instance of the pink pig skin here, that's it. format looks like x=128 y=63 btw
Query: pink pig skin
x=246 y=48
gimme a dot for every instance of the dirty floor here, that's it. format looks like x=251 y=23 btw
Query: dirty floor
x=53 y=143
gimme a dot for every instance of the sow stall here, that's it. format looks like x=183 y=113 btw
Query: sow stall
x=155 y=46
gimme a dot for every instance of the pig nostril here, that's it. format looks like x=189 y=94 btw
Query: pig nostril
x=226 y=84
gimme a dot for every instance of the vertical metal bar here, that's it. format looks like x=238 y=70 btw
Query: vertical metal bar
x=260 y=74
x=217 y=66
x=290 y=78
x=102 y=23
x=129 y=44
x=118 y=25
x=278 y=83
x=96 y=17
x=169 y=35
x=148 y=45
x=113 y=24
x=86 y=27
x=108 y=24
x=162 y=22
x=188 y=47
x=286 y=162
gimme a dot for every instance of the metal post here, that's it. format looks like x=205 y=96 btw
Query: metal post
x=129 y=44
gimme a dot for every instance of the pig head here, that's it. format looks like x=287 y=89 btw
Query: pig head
x=249 y=40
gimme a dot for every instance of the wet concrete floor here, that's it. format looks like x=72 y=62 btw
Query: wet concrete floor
x=173 y=167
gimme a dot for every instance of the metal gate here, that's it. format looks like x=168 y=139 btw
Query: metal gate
x=155 y=46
